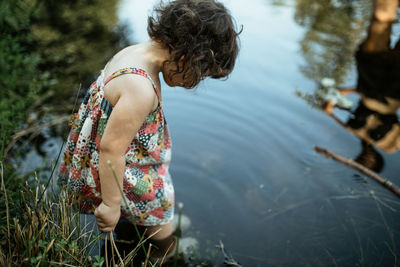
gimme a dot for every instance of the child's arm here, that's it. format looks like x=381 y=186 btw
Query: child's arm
x=135 y=102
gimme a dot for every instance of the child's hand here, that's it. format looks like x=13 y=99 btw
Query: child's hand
x=107 y=216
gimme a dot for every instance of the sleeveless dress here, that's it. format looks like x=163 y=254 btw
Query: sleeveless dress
x=147 y=185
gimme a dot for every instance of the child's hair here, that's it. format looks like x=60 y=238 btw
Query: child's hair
x=201 y=32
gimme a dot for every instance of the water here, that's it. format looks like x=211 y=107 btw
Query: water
x=244 y=163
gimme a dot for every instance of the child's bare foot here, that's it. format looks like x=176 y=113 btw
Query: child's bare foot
x=385 y=10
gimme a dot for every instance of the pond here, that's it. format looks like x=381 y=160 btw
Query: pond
x=244 y=163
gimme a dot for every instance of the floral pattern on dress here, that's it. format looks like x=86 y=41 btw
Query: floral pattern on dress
x=147 y=185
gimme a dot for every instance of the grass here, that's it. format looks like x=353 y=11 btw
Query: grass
x=47 y=231
x=44 y=229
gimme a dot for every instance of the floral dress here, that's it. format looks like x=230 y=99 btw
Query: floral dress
x=147 y=185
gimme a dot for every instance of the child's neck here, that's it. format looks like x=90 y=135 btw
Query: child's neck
x=155 y=55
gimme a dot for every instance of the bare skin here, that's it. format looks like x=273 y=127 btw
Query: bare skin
x=132 y=98
x=385 y=10
x=378 y=40
x=384 y=14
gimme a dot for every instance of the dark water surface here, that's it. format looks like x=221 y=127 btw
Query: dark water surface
x=244 y=165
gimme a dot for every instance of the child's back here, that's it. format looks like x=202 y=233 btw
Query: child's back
x=121 y=120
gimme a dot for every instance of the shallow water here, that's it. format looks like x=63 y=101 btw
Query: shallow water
x=244 y=165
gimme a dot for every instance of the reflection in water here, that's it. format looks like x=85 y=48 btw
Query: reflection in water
x=73 y=39
x=375 y=120
x=243 y=160
x=369 y=111
x=333 y=30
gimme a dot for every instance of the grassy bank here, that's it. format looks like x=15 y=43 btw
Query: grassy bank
x=47 y=50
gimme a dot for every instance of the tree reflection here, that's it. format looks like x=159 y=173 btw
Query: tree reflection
x=333 y=30
x=74 y=39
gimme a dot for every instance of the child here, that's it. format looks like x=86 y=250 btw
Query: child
x=121 y=119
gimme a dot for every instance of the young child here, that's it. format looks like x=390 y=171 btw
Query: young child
x=121 y=119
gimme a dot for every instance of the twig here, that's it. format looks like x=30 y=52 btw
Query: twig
x=288 y=208
x=228 y=259
x=140 y=243
x=116 y=249
x=52 y=172
x=35 y=130
x=383 y=181
x=105 y=249
x=390 y=232
x=3 y=187
x=70 y=254
x=330 y=256
x=112 y=250
x=147 y=256
x=165 y=254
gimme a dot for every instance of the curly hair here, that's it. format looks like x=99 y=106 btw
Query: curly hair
x=201 y=32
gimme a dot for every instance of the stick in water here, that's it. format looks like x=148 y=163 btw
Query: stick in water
x=383 y=181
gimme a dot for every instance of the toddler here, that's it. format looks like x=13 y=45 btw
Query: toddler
x=121 y=120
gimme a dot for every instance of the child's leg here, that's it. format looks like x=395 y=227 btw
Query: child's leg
x=126 y=240
x=163 y=231
x=163 y=241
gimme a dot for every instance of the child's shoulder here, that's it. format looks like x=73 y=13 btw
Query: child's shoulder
x=124 y=77
x=135 y=87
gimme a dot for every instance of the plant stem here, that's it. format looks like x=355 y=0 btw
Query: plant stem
x=3 y=187
x=126 y=204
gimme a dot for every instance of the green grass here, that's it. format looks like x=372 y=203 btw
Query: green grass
x=43 y=229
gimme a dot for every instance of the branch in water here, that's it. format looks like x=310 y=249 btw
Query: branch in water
x=229 y=261
x=383 y=181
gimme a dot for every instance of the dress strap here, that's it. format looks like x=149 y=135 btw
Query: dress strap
x=131 y=70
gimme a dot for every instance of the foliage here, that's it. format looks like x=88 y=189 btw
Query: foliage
x=19 y=79
x=45 y=230
x=334 y=29
x=47 y=48
x=74 y=39
x=44 y=44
